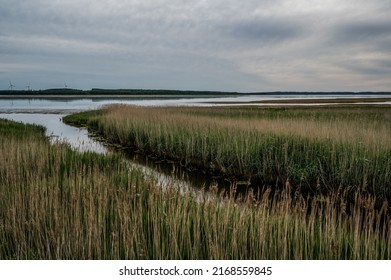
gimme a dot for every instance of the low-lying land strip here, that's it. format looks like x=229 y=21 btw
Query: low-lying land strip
x=105 y=93
x=311 y=101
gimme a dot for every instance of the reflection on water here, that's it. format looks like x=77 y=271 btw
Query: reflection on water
x=195 y=177
x=56 y=130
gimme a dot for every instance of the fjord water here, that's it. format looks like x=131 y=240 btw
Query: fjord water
x=69 y=105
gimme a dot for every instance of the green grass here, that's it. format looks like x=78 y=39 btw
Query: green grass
x=81 y=119
x=56 y=203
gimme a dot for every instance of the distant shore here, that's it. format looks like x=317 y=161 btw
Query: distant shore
x=105 y=93
x=104 y=96
x=311 y=101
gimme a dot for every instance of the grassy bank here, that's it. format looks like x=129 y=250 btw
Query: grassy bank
x=59 y=204
x=316 y=150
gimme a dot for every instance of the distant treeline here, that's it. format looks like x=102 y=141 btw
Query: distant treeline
x=97 y=91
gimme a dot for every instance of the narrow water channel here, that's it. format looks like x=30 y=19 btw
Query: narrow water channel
x=166 y=173
x=56 y=130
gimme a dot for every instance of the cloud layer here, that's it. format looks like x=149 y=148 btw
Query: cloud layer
x=202 y=45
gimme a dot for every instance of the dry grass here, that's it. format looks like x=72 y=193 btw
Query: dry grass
x=372 y=131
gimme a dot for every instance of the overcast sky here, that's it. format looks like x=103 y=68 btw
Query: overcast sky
x=228 y=45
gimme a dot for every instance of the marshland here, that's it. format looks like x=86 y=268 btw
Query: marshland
x=317 y=182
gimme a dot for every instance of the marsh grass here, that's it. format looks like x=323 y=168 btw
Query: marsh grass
x=317 y=150
x=56 y=203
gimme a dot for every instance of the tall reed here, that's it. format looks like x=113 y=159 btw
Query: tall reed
x=314 y=150
x=59 y=204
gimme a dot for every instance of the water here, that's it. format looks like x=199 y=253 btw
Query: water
x=56 y=130
x=49 y=113
x=68 y=105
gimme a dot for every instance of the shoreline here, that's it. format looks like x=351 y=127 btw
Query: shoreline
x=309 y=101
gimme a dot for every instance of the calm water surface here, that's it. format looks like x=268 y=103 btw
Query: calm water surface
x=56 y=130
x=66 y=106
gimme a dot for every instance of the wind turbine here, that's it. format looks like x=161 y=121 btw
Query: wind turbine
x=28 y=87
x=65 y=85
x=11 y=86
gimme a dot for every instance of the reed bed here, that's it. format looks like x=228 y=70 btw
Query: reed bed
x=317 y=150
x=56 y=203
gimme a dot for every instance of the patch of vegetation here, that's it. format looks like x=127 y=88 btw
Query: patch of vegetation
x=16 y=129
x=81 y=119
x=315 y=150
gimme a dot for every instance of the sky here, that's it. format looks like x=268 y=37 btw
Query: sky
x=223 y=45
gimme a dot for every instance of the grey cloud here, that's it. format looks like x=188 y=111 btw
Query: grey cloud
x=364 y=32
x=374 y=68
x=265 y=30
x=365 y=46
